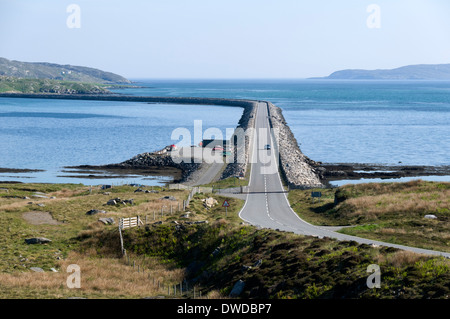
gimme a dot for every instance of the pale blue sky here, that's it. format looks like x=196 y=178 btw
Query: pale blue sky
x=226 y=38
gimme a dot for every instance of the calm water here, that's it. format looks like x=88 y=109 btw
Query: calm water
x=334 y=121
x=346 y=121
x=48 y=135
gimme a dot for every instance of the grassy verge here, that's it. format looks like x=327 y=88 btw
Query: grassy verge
x=391 y=212
x=231 y=182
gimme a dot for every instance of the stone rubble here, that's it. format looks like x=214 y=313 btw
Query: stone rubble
x=295 y=166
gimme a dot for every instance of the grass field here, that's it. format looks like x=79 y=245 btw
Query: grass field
x=391 y=212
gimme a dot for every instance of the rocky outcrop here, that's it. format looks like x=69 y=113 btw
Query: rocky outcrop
x=146 y=160
x=238 y=288
x=107 y=221
x=95 y=212
x=37 y=240
x=296 y=167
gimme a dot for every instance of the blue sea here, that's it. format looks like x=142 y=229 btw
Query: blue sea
x=382 y=122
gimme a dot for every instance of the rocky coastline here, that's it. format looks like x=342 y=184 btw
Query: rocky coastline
x=329 y=172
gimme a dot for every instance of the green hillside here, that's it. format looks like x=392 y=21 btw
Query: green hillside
x=43 y=70
x=18 y=85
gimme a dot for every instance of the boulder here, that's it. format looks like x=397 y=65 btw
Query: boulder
x=36 y=269
x=169 y=198
x=107 y=220
x=39 y=196
x=37 y=240
x=257 y=263
x=128 y=201
x=430 y=216
x=95 y=211
x=209 y=202
x=237 y=289
x=246 y=268
x=216 y=252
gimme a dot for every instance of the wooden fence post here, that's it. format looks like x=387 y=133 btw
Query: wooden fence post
x=121 y=238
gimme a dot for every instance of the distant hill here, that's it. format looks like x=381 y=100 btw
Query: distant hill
x=43 y=70
x=9 y=84
x=410 y=72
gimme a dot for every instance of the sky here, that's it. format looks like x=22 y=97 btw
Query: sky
x=226 y=39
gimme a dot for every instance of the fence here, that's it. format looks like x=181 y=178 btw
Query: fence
x=179 y=289
x=200 y=189
x=194 y=190
x=129 y=222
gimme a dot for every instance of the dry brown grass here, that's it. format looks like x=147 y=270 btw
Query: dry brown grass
x=400 y=258
x=379 y=205
x=100 y=278
x=12 y=205
x=151 y=207
x=66 y=193
x=214 y=294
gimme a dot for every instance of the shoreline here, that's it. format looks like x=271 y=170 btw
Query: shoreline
x=328 y=172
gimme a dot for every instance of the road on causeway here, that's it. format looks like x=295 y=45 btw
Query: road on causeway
x=266 y=202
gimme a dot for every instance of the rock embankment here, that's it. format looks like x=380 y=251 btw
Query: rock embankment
x=241 y=151
x=146 y=160
x=296 y=167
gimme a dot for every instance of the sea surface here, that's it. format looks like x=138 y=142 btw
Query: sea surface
x=52 y=134
x=382 y=122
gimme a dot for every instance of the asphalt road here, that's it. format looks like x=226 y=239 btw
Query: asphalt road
x=211 y=172
x=212 y=163
x=266 y=203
